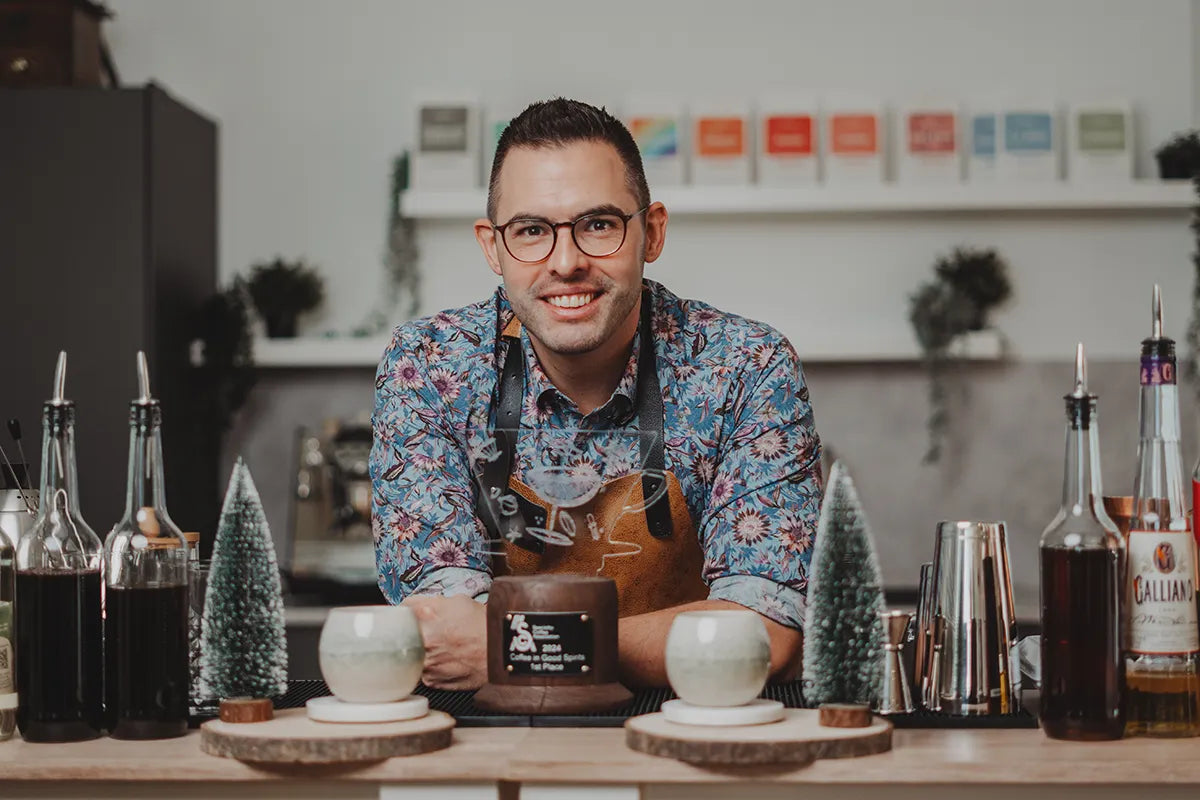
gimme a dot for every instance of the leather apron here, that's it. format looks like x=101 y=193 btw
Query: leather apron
x=650 y=550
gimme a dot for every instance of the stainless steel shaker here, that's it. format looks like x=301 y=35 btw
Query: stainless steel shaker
x=969 y=621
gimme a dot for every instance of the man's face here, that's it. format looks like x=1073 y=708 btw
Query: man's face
x=572 y=303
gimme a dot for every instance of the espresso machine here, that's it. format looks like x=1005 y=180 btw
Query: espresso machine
x=333 y=550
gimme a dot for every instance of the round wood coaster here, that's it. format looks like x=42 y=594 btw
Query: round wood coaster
x=293 y=738
x=797 y=739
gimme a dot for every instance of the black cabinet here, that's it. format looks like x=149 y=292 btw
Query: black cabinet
x=108 y=238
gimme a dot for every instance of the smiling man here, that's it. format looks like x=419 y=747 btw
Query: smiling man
x=577 y=342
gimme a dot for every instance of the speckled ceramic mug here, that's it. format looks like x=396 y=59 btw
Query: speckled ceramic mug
x=718 y=658
x=371 y=654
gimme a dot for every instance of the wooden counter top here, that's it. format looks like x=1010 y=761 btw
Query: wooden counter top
x=599 y=756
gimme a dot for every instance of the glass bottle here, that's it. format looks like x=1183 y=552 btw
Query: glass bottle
x=1082 y=557
x=8 y=689
x=146 y=602
x=59 y=641
x=1161 y=676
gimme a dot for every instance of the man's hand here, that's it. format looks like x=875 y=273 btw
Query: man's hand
x=455 y=634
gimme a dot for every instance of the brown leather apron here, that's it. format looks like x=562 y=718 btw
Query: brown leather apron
x=650 y=550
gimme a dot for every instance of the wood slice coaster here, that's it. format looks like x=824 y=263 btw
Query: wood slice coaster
x=293 y=738
x=798 y=739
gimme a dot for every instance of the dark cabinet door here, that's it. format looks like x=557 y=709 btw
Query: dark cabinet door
x=107 y=246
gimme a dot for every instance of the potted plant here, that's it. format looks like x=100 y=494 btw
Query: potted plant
x=281 y=291
x=224 y=359
x=1179 y=158
x=968 y=284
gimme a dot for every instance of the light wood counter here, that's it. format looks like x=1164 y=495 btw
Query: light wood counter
x=546 y=762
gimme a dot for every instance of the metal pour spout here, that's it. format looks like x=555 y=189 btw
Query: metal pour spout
x=143 y=370
x=60 y=380
x=1080 y=372
x=1158 y=314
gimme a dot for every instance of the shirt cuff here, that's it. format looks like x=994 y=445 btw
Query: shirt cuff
x=775 y=601
x=451 y=581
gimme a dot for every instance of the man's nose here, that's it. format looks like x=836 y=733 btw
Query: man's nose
x=566 y=258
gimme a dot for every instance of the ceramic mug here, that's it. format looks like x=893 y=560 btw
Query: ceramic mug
x=718 y=658
x=371 y=654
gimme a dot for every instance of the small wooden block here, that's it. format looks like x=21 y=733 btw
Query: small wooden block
x=797 y=739
x=292 y=738
x=845 y=715
x=246 y=709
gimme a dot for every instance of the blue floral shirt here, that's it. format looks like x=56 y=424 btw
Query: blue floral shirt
x=739 y=436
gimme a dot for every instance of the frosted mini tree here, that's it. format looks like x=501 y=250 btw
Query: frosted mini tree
x=243 y=640
x=843 y=635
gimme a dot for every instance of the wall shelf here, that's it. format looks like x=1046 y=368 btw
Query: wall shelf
x=366 y=352
x=320 y=351
x=1142 y=195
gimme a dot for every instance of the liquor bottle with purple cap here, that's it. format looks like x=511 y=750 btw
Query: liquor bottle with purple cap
x=1162 y=680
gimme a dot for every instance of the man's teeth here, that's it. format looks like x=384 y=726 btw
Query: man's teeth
x=570 y=300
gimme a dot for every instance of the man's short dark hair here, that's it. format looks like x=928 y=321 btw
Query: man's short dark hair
x=558 y=122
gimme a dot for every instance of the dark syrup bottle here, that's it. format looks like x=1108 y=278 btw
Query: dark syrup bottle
x=1083 y=580
x=58 y=637
x=146 y=603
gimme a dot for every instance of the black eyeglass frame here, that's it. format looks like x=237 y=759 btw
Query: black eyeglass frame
x=554 y=226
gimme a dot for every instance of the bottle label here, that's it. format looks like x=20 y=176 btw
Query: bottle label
x=1196 y=514
x=1162 y=568
x=6 y=666
x=1157 y=371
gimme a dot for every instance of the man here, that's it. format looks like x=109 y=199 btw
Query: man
x=576 y=340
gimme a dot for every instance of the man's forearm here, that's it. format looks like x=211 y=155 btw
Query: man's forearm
x=642 y=642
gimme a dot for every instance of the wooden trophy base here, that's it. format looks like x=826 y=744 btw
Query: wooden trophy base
x=549 y=699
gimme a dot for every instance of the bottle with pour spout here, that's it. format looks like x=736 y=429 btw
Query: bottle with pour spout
x=1162 y=662
x=1082 y=557
x=58 y=636
x=146 y=601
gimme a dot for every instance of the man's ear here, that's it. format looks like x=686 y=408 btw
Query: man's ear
x=485 y=234
x=656 y=230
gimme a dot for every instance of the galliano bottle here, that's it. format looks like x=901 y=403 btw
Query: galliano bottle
x=1083 y=572
x=146 y=605
x=1161 y=676
x=59 y=644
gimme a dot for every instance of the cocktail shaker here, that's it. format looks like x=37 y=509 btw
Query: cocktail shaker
x=968 y=616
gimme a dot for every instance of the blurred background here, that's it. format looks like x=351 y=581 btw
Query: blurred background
x=186 y=144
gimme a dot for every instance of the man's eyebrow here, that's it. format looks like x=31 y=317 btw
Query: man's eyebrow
x=604 y=208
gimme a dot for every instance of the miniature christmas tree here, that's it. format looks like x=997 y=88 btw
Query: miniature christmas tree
x=243 y=641
x=843 y=636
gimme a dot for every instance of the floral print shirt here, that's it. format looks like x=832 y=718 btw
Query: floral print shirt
x=739 y=436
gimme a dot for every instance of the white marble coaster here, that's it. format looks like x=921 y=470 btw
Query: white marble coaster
x=756 y=712
x=331 y=709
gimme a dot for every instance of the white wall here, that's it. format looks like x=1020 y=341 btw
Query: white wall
x=315 y=98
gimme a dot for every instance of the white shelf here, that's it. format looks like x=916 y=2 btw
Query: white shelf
x=315 y=351
x=304 y=352
x=1146 y=195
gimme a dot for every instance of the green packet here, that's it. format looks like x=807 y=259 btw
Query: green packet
x=6 y=620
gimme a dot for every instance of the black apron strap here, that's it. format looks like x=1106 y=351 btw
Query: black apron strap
x=510 y=393
x=650 y=423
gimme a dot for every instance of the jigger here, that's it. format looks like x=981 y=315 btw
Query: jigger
x=895 y=697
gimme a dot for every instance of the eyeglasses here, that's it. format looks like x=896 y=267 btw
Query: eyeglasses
x=533 y=239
